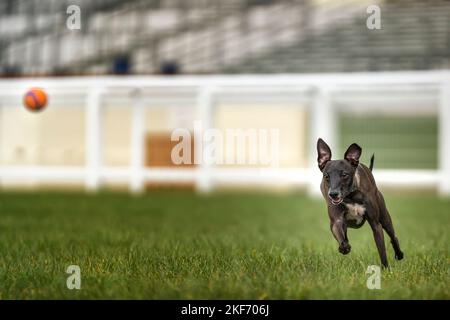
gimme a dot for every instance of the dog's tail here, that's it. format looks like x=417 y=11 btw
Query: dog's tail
x=372 y=159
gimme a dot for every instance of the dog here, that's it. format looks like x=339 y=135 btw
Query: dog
x=352 y=197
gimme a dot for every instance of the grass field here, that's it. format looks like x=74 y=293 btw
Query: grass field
x=177 y=245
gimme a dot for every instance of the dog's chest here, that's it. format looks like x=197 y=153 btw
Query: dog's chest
x=355 y=212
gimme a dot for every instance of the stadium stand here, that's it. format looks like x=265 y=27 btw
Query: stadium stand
x=234 y=36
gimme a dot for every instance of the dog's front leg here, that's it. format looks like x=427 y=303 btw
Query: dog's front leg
x=339 y=229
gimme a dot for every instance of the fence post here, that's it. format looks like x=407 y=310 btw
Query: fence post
x=322 y=125
x=444 y=138
x=137 y=143
x=204 y=109
x=93 y=139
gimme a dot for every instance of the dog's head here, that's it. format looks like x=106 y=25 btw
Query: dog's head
x=338 y=175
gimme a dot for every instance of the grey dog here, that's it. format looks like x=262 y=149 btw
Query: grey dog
x=352 y=197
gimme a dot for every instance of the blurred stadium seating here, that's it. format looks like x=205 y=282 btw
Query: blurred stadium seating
x=233 y=36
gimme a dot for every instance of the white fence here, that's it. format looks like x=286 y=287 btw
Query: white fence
x=322 y=95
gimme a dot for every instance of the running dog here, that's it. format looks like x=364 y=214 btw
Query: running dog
x=352 y=197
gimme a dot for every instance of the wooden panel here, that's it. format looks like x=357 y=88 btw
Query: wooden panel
x=158 y=148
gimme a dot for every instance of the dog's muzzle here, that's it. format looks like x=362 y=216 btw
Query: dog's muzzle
x=335 y=199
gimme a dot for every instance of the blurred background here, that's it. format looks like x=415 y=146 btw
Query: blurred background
x=136 y=70
x=122 y=75
x=233 y=36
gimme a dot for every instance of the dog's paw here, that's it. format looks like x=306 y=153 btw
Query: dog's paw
x=399 y=255
x=345 y=249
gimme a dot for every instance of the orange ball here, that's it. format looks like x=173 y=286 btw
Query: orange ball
x=35 y=99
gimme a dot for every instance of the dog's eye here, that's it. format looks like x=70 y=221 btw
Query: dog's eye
x=344 y=175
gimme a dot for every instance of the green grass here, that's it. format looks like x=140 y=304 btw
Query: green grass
x=177 y=245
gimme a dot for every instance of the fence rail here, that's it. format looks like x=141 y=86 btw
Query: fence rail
x=323 y=95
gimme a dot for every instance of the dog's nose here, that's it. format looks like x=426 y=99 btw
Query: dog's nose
x=334 y=194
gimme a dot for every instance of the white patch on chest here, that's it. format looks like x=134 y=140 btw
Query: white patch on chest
x=355 y=212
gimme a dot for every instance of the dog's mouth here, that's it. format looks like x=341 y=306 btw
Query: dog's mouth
x=336 y=201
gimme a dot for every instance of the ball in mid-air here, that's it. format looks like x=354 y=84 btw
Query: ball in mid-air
x=35 y=99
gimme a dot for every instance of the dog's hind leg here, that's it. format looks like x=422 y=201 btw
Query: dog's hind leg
x=386 y=222
x=379 y=240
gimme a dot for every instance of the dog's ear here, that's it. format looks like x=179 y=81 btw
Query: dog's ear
x=323 y=153
x=352 y=154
